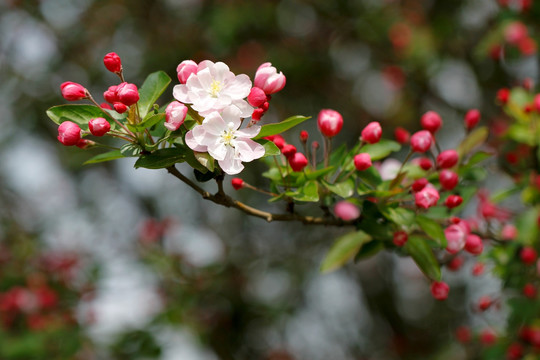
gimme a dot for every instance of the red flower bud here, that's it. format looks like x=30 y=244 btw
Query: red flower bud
x=529 y=290
x=474 y=244
x=256 y=97
x=84 y=143
x=268 y=79
x=304 y=135
x=69 y=133
x=257 y=114
x=484 y=303
x=329 y=122
x=421 y=141
x=425 y=164
x=439 y=290
x=514 y=351
x=362 y=161
x=298 y=161
x=472 y=118
x=120 y=108
x=278 y=140
x=431 y=121
x=99 y=126
x=237 y=183
x=488 y=337
x=419 y=184
x=72 y=91
x=288 y=150
x=110 y=95
x=400 y=238
x=447 y=159
x=372 y=133
x=105 y=106
x=127 y=93
x=448 y=179
x=528 y=255
x=455 y=264
x=453 y=201
x=315 y=146
x=112 y=62
x=503 y=95
x=185 y=69
x=478 y=269
x=401 y=135
x=463 y=334
x=426 y=198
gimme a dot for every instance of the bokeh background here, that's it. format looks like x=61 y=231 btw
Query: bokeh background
x=140 y=267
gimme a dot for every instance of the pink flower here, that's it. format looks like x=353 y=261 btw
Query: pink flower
x=185 y=69
x=175 y=114
x=431 y=121
x=72 y=91
x=427 y=197
x=268 y=79
x=213 y=88
x=298 y=161
x=421 y=141
x=69 y=133
x=112 y=62
x=127 y=93
x=329 y=122
x=362 y=161
x=220 y=136
x=456 y=235
x=509 y=232
x=515 y=32
x=346 y=210
x=372 y=133
x=99 y=126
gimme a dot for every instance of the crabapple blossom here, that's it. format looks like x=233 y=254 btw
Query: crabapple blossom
x=427 y=197
x=346 y=210
x=99 y=126
x=456 y=235
x=69 y=133
x=304 y=135
x=419 y=184
x=112 y=62
x=329 y=122
x=110 y=95
x=528 y=255
x=72 y=91
x=509 y=232
x=213 y=88
x=220 y=136
x=288 y=150
x=372 y=132
x=175 y=114
x=268 y=79
x=456 y=263
x=503 y=95
x=389 y=169
x=362 y=161
x=421 y=141
x=185 y=69
x=425 y=163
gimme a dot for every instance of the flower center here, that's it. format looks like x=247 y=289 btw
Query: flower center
x=228 y=135
x=215 y=88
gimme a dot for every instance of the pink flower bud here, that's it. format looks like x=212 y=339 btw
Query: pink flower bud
x=127 y=93
x=456 y=235
x=105 y=106
x=447 y=159
x=372 y=133
x=329 y=122
x=288 y=150
x=346 y=210
x=503 y=95
x=84 y=144
x=185 y=69
x=463 y=334
x=72 y=91
x=448 y=179
x=478 y=268
x=456 y=263
x=237 y=183
x=515 y=32
x=315 y=146
x=175 y=114
x=298 y=161
x=474 y=244
x=453 y=201
x=257 y=114
x=431 y=121
x=419 y=184
x=268 y=79
x=472 y=118
x=278 y=140
x=484 y=303
x=112 y=62
x=529 y=290
x=488 y=337
x=401 y=135
x=69 y=133
x=400 y=238
x=509 y=232
x=110 y=95
x=256 y=97
x=421 y=141
x=528 y=255
x=362 y=161
x=120 y=108
x=304 y=135
x=99 y=126
x=426 y=198
x=425 y=164
x=439 y=290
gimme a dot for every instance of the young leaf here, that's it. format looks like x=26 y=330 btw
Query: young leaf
x=79 y=114
x=152 y=88
x=312 y=175
x=108 y=156
x=423 y=257
x=270 y=149
x=344 y=189
x=130 y=150
x=278 y=128
x=432 y=229
x=344 y=249
x=205 y=160
x=476 y=138
x=148 y=123
x=400 y=216
x=161 y=158
x=309 y=192
x=381 y=149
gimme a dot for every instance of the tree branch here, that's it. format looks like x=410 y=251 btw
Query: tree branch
x=223 y=199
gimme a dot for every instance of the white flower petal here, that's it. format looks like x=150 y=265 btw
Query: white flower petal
x=220 y=71
x=193 y=144
x=218 y=150
x=248 y=132
x=180 y=93
x=214 y=124
x=248 y=150
x=239 y=88
x=245 y=109
x=230 y=164
x=205 y=79
x=231 y=114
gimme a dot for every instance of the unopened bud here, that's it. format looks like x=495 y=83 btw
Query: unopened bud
x=237 y=183
x=346 y=210
x=421 y=141
x=439 y=290
x=185 y=69
x=329 y=122
x=268 y=79
x=362 y=161
x=127 y=93
x=372 y=133
x=401 y=135
x=175 y=114
x=72 y=91
x=447 y=159
x=112 y=62
x=431 y=121
x=256 y=97
x=298 y=161
x=304 y=135
x=69 y=133
x=472 y=118
x=99 y=126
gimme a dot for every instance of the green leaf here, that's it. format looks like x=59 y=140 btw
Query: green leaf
x=432 y=229
x=369 y=249
x=79 y=114
x=476 y=138
x=423 y=256
x=108 y=156
x=309 y=192
x=344 y=249
x=278 y=128
x=371 y=176
x=400 y=216
x=527 y=226
x=161 y=158
x=152 y=88
x=504 y=193
x=478 y=157
x=522 y=133
x=148 y=123
x=345 y=189
x=270 y=149
x=381 y=149
x=312 y=175
x=130 y=150
x=205 y=160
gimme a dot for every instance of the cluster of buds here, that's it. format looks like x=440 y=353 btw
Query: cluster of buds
x=267 y=82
